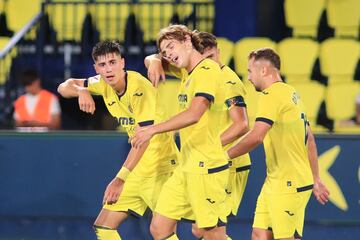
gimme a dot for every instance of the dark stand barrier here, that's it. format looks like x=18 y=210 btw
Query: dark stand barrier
x=62 y=176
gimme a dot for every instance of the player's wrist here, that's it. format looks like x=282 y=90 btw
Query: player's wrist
x=123 y=174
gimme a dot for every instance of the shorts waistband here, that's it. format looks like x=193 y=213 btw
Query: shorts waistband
x=305 y=188
x=243 y=168
x=218 y=169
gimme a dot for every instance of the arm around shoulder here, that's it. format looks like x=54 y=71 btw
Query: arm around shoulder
x=71 y=87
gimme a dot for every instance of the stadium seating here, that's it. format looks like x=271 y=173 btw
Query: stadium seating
x=28 y=10
x=242 y=50
x=204 y=14
x=303 y=16
x=312 y=95
x=5 y=63
x=344 y=17
x=297 y=58
x=338 y=59
x=226 y=50
x=111 y=19
x=67 y=19
x=154 y=16
x=340 y=104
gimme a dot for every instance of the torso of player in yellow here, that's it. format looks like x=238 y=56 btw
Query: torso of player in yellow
x=288 y=167
x=138 y=106
x=200 y=143
x=232 y=89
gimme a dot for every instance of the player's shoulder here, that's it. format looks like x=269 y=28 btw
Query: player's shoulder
x=137 y=84
x=230 y=76
x=136 y=80
x=207 y=65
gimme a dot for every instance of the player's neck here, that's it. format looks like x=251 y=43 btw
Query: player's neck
x=274 y=78
x=120 y=86
x=195 y=59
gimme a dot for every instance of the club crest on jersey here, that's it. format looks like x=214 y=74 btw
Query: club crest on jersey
x=182 y=98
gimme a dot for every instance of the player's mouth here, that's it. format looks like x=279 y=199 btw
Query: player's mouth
x=110 y=78
x=174 y=60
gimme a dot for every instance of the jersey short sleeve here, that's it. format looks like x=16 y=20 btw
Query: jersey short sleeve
x=144 y=102
x=94 y=85
x=206 y=82
x=268 y=109
x=235 y=93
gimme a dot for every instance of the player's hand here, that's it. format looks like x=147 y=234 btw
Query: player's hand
x=113 y=191
x=156 y=72
x=141 y=136
x=321 y=192
x=86 y=101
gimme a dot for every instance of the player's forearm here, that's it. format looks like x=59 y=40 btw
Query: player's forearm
x=70 y=88
x=245 y=145
x=313 y=156
x=134 y=156
x=153 y=57
x=181 y=120
x=233 y=132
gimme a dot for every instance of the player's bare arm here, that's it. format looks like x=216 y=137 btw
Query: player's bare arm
x=75 y=88
x=114 y=188
x=250 y=140
x=238 y=127
x=156 y=68
x=184 y=119
x=320 y=190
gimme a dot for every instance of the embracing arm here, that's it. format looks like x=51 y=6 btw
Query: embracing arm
x=238 y=127
x=184 y=119
x=76 y=88
x=250 y=140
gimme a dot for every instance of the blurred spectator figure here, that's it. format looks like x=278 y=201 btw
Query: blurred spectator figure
x=37 y=108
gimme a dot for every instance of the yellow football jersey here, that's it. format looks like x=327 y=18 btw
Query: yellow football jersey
x=201 y=150
x=288 y=167
x=234 y=96
x=137 y=106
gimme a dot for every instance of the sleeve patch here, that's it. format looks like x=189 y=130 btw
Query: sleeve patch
x=94 y=79
x=235 y=101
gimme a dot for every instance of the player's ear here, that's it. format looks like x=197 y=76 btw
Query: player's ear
x=97 y=72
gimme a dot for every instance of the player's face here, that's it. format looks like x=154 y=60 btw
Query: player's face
x=254 y=74
x=175 y=52
x=213 y=54
x=110 y=67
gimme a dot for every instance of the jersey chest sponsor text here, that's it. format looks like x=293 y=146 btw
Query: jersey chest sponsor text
x=125 y=121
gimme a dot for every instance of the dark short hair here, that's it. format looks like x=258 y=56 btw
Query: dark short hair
x=28 y=77
x=207 y=40
x=266 y=54
x=105 y=47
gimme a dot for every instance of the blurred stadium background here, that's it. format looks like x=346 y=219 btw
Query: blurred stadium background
x=49 y=193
